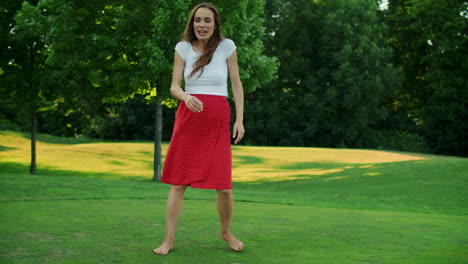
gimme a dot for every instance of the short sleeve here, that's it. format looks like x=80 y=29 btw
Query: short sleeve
x=181 y=48
x=228 y=47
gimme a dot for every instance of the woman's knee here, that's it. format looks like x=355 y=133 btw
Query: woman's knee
x=179 y=188
x=225 y=193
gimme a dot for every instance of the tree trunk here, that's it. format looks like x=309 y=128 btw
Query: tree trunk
x=32 y=168
x=158 y=134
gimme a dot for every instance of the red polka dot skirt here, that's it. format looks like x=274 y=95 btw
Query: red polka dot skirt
x=199 y=153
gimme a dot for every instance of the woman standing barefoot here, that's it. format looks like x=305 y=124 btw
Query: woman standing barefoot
x=199 y=154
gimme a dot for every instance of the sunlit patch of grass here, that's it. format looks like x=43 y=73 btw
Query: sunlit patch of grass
x=115 y=160
x=135 y=159
x=287 y=163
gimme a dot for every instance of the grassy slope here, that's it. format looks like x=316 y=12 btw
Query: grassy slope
x=93 y=203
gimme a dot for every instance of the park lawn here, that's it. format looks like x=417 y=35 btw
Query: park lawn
x=125 y=231
x=322 y=206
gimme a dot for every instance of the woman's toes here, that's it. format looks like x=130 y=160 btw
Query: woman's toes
x=163 y=249
x=233 y=242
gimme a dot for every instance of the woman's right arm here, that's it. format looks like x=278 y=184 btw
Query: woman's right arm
x=192 y=102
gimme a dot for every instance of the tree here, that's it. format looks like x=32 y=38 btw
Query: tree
x=243 y=21
x=164 y=37
x=108 y=51
x=30 y=86
x=444 y=26
x=409 y=47
x=277 y=114
x=355 y=78
x=430 y=42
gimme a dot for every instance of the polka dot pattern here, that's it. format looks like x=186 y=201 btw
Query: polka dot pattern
x=199 y=153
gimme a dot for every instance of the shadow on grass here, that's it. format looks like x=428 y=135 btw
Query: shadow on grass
x=314 y=172
x=73 y=140
x=115 y=162
x=4 y=148
x=59 y=140
x=241 y=160
x=116 y=155
x=18 y=168
x=314 y=165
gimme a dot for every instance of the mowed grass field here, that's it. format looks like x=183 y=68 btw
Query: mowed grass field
x=94 y=202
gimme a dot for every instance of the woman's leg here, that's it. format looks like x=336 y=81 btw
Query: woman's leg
x=225 y=204
x=173 y=209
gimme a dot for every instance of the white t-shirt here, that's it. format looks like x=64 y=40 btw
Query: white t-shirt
x=214 y=77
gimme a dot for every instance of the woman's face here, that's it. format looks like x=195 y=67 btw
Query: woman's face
x=204 y=23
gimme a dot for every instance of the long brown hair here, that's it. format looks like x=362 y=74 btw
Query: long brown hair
x=213 y=42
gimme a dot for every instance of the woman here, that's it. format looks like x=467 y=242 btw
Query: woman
x=199 y=154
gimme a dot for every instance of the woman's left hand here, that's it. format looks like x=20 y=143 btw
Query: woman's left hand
x=238 y=131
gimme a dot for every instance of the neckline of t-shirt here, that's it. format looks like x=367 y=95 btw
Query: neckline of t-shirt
x=191 y=46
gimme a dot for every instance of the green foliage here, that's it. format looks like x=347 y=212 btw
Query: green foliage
x=397 y=140
x=5 y=124
x=355 y=77
x=430 y=42
x=26 y=83
x=128 y=120
x=243 y=22
x=445 y=111
x=334 y=77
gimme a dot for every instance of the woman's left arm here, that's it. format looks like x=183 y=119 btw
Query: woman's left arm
x=238 y=92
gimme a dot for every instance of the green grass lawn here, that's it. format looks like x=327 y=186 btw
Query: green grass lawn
x=94 y=202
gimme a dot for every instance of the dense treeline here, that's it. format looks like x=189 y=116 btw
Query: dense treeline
x=350 y=74
x=334 y=80
x=354 y=76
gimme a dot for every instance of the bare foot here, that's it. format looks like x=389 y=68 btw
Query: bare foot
x=164 y=248
x=233 y=242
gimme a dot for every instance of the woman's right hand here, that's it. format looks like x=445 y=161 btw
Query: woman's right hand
x=193 y=103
